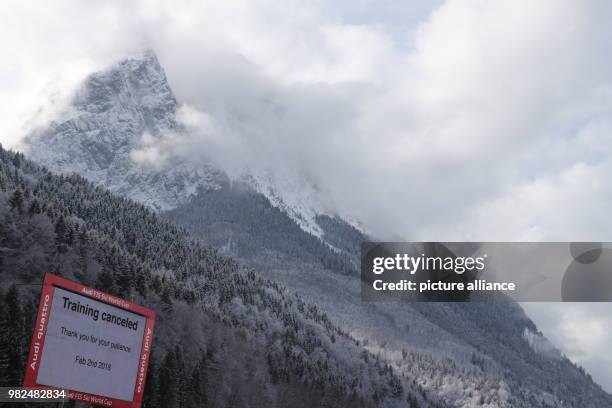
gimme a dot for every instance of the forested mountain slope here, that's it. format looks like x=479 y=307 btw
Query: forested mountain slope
x=225 y=335
x=470 y=354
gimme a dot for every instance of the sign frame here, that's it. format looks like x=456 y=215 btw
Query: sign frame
x=51 y=282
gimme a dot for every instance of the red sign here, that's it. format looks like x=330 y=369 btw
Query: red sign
x=92 y=344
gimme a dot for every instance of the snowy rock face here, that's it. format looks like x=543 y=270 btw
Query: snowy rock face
x=107 y=133
x=115 y=113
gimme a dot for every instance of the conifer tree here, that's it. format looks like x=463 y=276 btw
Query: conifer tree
x=150 y=397
x=197 y=395
x=16 y=201
x=82 y=249
x=141 y=282
x=166 y=298
x=34 y=207
x=60 y=234
x=12 y=333
x=106 y=281
x=168 y=384
x=181 y=378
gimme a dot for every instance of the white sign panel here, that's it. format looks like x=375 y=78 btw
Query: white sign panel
x=91 y=346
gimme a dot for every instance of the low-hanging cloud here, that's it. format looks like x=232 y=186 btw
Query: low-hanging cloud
x=490 y=119
x=583 y=332
x=484 y=111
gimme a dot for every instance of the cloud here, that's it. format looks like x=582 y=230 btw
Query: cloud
x=493 y=109
x=581 y=330
x=445 y=130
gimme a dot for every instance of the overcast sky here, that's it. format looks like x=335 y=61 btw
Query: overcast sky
x=433 y=120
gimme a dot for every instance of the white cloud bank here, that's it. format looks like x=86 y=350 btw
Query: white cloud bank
x=475 y=123
x=482 y=120
x=583 y=331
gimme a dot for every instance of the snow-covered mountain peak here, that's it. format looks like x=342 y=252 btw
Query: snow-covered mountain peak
x=136 y=86
x=111 y=114
x=109 y=131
